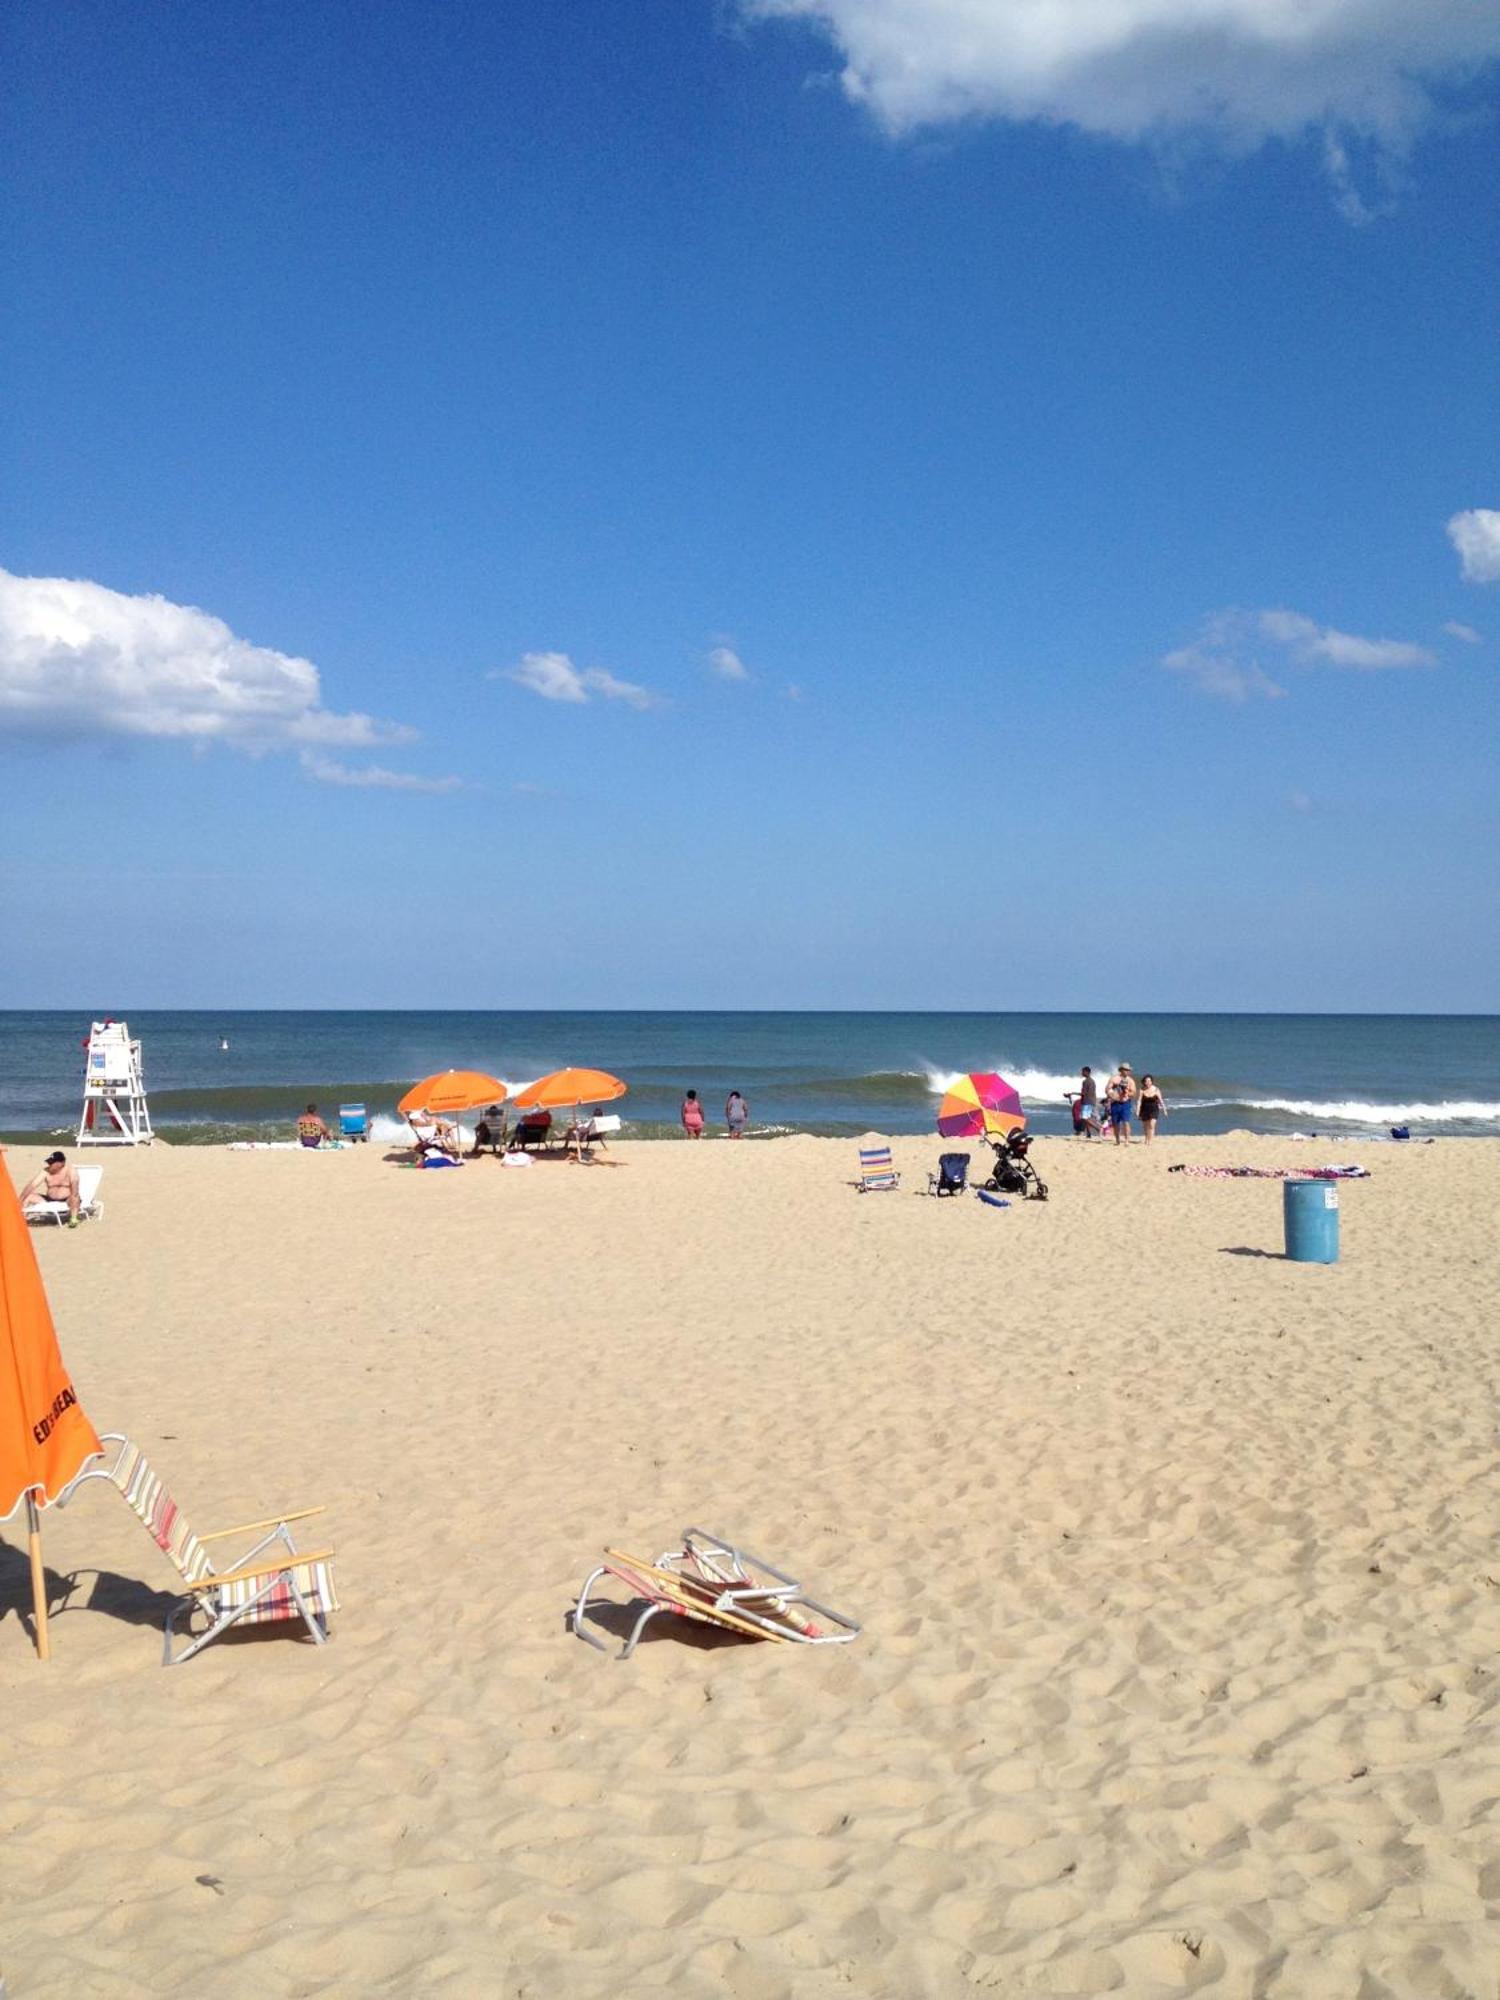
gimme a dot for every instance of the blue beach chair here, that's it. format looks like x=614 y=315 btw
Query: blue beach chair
x=354 y=1122
x=952 y=1176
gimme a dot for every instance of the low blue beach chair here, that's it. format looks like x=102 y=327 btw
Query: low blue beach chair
x=952 y=1176
x=354 y=1122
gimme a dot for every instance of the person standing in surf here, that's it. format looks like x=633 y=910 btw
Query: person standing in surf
x=1086 y=1105
x=692 y=1115
x=1119 y=1094
x=1152 y=1106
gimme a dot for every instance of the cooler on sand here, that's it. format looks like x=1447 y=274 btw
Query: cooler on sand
x=1310 y=1210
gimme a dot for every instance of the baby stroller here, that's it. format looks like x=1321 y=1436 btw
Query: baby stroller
x=952 y=1176
x=1014 y=1173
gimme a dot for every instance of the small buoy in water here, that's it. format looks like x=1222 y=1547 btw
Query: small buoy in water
x=223 y=1044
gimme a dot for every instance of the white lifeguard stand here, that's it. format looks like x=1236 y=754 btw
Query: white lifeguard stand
x=114 y=1090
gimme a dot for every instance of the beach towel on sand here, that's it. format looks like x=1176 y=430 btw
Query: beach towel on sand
x=1274 y=1173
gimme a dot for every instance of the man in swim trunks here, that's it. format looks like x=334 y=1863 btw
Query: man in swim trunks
x=1086 y=1105
x=1120 y=1095
x=310 y=1128
x=56 y=1182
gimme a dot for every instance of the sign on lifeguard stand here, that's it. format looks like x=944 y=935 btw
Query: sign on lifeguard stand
x=114 y=1090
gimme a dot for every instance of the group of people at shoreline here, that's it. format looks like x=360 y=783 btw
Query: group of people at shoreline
x=1124 y=1099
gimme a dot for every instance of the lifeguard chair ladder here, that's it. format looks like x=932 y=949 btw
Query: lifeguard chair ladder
x=115 y=1112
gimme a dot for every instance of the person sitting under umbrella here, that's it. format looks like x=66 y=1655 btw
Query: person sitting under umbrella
x=433 y=1135
x=490 y=1132
x=534 y=1128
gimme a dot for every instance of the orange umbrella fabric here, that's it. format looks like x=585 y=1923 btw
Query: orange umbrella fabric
x=452 y=1090
x=568 y=1087
x=44 y=1436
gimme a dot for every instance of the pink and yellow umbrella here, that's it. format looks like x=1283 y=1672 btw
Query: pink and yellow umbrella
x=980 y=1107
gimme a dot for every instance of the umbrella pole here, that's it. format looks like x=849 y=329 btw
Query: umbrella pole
x=38 y=1581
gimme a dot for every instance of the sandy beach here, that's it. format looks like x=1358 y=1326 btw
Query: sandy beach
x=1176 y=1562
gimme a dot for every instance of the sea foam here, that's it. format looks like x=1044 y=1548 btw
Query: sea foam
x=1360 y=1111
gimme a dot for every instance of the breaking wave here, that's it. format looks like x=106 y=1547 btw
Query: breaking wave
x=1360 y=1111
x=1036 y=1086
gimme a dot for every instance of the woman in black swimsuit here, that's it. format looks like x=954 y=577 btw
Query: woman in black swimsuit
x=1152 y=1105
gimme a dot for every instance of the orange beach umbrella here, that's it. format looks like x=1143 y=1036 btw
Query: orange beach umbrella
x=566 y=1087
x=45 y=1438
x=452 y=1090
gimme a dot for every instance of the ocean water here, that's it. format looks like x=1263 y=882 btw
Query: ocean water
x=823 y=1072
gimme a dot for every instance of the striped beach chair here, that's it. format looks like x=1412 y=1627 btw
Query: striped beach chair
x=875 y=1169
x=268 y=1581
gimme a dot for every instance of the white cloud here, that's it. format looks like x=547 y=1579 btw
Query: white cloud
x=1243 y=70
x=1227 y=657
x=1476 y=536
x=80 y=660
x=1465 y=632
x=328 y=771
x=1215 y=671
x=727 y=664
x=1307 y=640
x=555 y=678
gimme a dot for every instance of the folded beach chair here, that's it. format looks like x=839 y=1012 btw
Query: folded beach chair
x=272 y=1579
x=875 y=1169
x=89 y=1204
x=354 y=1122
x=714 y=1583
x=952 y=1176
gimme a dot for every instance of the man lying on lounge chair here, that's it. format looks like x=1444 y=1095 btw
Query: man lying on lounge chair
x=56 y=1182
x=433 y=1135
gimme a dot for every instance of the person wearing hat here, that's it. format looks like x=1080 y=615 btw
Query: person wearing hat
x=56 y=1182
x=1120 y=1096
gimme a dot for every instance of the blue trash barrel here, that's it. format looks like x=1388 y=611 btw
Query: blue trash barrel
x=1310 y=1210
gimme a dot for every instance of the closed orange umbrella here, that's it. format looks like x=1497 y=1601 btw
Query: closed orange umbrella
x=45 y=1438
x=452 y=1090
x=570 y=1087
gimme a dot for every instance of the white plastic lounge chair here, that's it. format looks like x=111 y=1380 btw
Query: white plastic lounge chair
x=40 y=1210
x=272 y=1579
x=425 y=1133
x=714 y=1583
x=875 y=1169
x=588 y=1133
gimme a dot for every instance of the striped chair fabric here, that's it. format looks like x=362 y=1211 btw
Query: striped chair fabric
x=164 y=1520
x=314 y=1580
x=168 y=1527
x=876 y=1170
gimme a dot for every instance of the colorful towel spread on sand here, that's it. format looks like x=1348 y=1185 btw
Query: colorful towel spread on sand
x=283 y=1146
x=1274 y=1173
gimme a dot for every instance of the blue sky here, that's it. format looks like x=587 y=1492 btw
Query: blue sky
x=792 y=503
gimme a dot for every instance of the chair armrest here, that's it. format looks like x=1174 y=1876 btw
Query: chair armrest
x=244 y=1575
x=249 y=1527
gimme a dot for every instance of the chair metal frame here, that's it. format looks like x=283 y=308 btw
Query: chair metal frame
x=247 y=1568
x=708 y=1579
